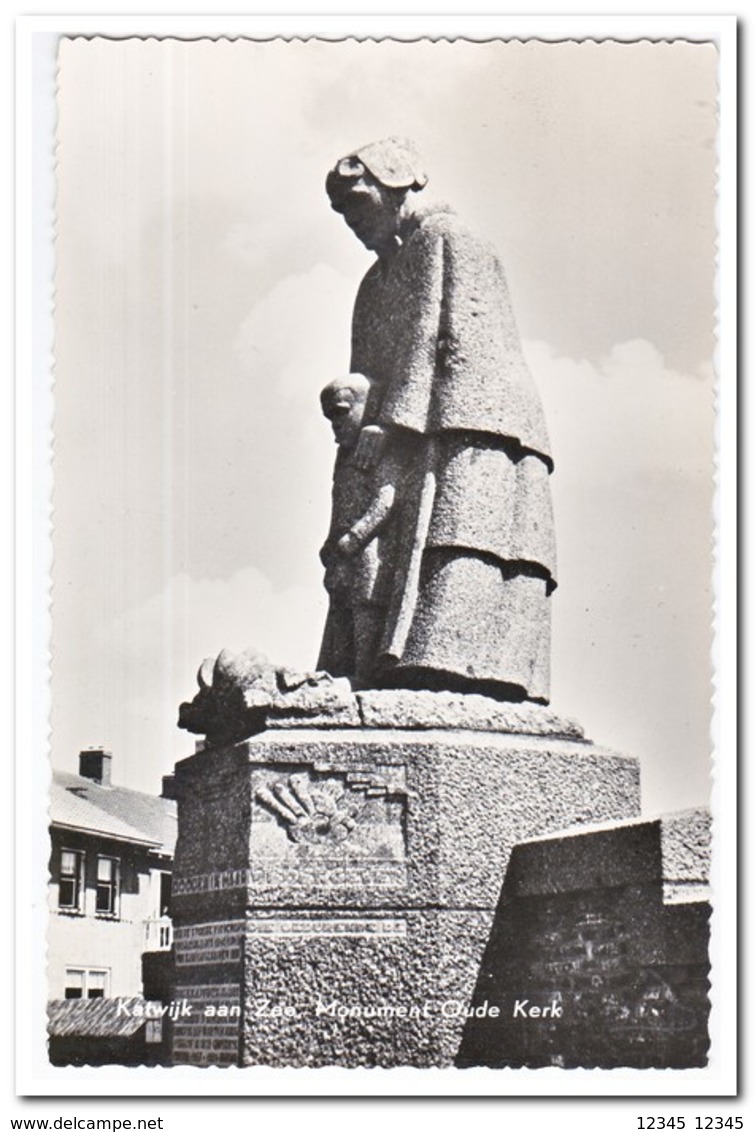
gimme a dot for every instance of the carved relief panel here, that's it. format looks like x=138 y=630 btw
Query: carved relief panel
x=319 y=826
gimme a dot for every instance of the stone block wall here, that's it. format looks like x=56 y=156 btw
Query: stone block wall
x=598 y=954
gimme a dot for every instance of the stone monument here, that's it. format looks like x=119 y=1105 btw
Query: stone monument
x=344 y=834
x=471 y=568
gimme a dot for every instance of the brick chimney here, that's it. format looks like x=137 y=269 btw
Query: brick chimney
x=169 y=787
x=96 y=763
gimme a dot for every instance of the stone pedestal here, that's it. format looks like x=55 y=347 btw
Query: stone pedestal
x=334 y=889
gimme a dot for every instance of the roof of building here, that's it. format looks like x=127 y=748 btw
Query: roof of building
x=93 y=1017
x=113 y=811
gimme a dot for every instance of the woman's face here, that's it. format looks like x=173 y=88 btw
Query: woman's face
x=372 y=214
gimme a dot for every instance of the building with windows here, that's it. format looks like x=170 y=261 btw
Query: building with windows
x=110 y=873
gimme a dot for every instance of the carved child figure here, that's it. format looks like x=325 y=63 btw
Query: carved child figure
x=356 y=554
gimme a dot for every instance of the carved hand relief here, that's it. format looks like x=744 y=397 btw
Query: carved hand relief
x=318 y=814
x=314 y=813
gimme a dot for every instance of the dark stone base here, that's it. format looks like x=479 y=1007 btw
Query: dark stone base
x=598 y=954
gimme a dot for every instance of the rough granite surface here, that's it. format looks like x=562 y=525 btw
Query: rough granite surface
x=388 y=999
x=434 y=331
x=243 y=699
x=685 y=839
x=403 y=708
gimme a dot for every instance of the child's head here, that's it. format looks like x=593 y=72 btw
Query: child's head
x=343 y=401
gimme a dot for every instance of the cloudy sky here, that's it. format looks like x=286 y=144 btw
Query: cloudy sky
x=204 y=291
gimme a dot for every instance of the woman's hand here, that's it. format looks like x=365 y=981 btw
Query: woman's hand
x=348 y=544
x=369 y=447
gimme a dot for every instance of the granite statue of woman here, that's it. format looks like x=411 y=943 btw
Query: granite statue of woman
x=451 y=399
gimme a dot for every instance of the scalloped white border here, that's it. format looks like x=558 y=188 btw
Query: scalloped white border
x=36 y=37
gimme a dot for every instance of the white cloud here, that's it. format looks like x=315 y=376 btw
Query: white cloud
x=299 y=328
x=632 y=490
x=627 y=416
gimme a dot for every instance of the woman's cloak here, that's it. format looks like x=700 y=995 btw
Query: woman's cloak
x=472 y=554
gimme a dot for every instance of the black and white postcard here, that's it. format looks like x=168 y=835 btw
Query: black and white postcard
x=383 y=651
